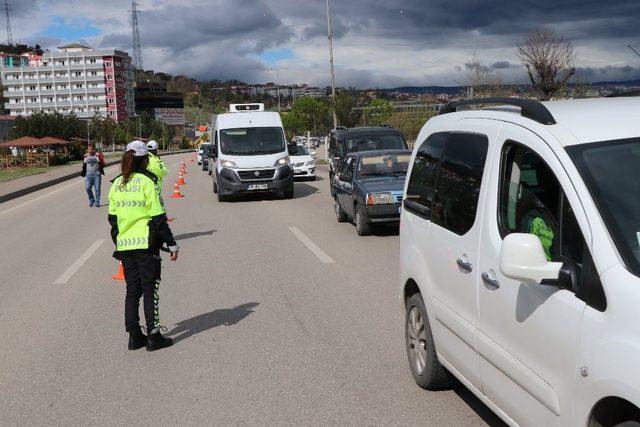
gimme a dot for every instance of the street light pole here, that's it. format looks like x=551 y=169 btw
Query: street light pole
x=277 y=70
x=331 y=69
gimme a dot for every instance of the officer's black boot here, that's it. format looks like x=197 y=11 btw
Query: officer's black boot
x=156 y=341
x=137 y=339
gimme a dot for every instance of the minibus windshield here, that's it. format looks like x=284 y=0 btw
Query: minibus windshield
x=252 y=141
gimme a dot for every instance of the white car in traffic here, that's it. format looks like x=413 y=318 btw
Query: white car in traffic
x=304 y=163
x=520 y=258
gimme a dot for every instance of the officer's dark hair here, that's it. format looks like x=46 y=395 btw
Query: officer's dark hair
x=131 y=164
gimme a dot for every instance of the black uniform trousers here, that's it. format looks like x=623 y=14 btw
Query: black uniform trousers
x=142 y=275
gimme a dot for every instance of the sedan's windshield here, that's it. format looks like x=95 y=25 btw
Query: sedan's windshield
x=302 y=151
x=383 y=164
x=611 y=171
x=375 y=142
x=251 y=141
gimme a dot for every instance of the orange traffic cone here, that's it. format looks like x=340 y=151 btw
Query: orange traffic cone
x=171 y=219
x=183 y=170
x=181 y=180
x=120 y=274
x=176 y=192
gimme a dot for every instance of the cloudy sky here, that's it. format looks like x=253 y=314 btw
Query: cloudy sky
x=378 y=43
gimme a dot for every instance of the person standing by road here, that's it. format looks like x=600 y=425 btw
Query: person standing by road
x=156 y=166
x=92 y=171
x=139 y=229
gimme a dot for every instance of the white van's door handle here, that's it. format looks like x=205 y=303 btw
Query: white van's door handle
x=489 y=281
x=464 y=265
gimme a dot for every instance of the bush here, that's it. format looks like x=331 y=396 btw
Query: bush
x=59 y=159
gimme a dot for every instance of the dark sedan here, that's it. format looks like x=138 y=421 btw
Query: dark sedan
x=368 y=187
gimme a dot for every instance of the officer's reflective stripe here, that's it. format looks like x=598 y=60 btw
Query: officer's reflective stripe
x=132 y=241
x=129 y=203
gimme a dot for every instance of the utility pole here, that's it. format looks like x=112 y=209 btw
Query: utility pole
x=277 y=70
x=333 y=75
x=634 y=51
x=7 y=9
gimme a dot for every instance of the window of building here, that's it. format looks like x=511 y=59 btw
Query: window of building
x=109 y=77
x=77 y=74
x=91 y=61
x=458 y=182
x=110 y=100
x=110 y=89
x=107 y=64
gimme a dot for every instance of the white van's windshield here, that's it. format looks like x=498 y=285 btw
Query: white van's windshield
x=610 y=170
x=252 y=141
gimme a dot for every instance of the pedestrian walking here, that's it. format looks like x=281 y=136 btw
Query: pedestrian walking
x=92 y=171
x=139 y=230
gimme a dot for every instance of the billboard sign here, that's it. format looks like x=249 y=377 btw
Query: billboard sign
x=170 y=116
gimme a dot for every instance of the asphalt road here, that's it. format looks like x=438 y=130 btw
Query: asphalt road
x=280 y=316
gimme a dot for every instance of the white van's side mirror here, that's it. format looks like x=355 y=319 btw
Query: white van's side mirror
x=522 y=258
x=313 y=153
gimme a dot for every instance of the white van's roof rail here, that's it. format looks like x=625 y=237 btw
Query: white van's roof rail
x=243 y=108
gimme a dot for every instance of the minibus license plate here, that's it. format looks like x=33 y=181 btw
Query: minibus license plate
x=257 y=187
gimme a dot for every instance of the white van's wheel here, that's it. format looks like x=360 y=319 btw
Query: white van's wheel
x=421 y=351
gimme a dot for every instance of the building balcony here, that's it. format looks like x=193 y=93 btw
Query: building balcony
x=14 y=94
x=13 y=105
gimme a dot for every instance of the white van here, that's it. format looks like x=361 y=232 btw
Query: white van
x=520 y=258
x=251 y=153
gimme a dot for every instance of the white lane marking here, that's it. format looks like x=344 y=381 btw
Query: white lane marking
x=322 y=256
x=40 y=197
x=64 y=278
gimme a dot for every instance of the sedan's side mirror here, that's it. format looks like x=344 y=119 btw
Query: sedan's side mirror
x=522 y=258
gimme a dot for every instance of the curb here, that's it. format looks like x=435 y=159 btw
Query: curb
x=42 y=185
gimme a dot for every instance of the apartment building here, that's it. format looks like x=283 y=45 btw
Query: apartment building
x=75 y=79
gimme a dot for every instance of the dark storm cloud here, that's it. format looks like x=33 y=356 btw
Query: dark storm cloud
x=503 y=65
x=609 y=73
x=224 y=38
x=434 y=21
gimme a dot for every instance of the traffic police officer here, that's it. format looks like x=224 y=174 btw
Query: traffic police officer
x=139 y=229
x=156 y=165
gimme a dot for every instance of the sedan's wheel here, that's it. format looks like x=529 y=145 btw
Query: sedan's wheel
x=362 y=226
x=340 y=215
x=421 y=351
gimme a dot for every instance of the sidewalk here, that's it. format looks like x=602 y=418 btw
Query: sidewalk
x=27 y=184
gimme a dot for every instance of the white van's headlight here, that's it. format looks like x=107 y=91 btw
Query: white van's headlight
x=310 y=163
x=228 y=164
x=281 y=162
x=379 y=198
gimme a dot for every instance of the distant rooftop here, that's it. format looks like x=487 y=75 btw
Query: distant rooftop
x=74 y=46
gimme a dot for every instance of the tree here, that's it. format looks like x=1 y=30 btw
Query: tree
x=293 y=123
x=482 y=80
x=378 y=112
x=315 y=113
x=549 y=60
x=344 y=105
